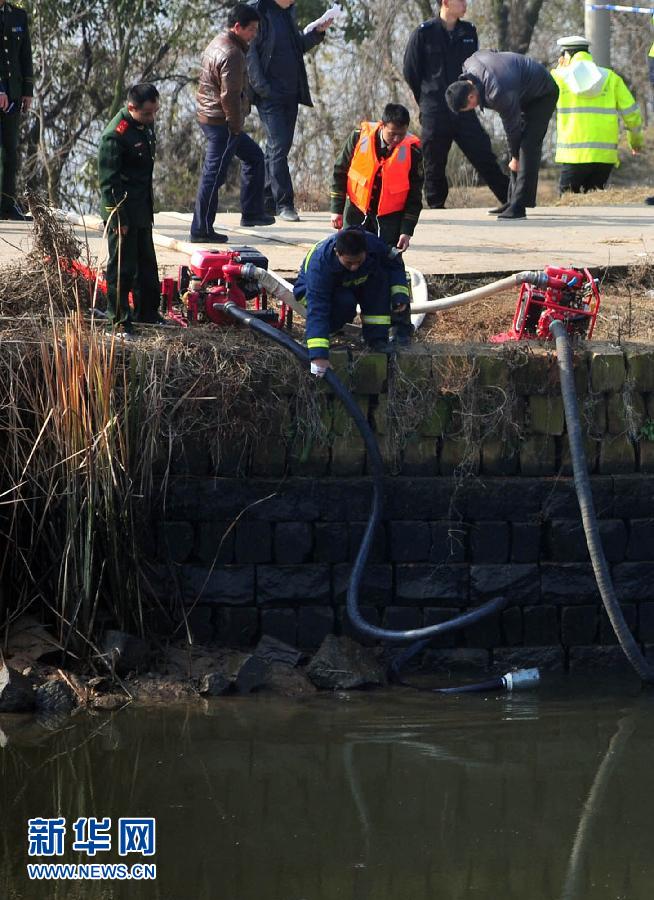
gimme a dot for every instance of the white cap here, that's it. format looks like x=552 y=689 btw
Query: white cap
x=574 y=42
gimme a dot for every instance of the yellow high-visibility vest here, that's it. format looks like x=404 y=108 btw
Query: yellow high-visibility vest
x=587 y=123
x=651 y=49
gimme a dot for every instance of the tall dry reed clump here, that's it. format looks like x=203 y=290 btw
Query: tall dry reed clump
x=87 y=432
x=76 y=428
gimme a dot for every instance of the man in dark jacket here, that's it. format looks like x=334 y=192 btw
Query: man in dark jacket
x=16 y=89
x=524 y=93
x=377 y=184
x=385 y=156
x=279 y=83
x=125 y=163
x=433 y=59
x=348 y=269
x=222 y=106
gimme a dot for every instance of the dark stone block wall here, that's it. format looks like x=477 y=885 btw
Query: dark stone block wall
x=478 y=502
x=273 y=556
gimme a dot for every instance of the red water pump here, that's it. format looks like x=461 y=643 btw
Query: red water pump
x=570 y=295
x=211 y=279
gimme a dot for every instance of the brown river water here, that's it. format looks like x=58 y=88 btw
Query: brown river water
x=391 y=795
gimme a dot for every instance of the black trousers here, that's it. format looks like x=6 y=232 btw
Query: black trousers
x=579 y=178
x=388 y=229
x=439 y=130
x=9 y=127
x=132 y=266
x=536 y=118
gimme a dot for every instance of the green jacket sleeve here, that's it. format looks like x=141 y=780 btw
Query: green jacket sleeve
x=112 y=186
x=338 y=191
x=631 y=115
x=413 y=204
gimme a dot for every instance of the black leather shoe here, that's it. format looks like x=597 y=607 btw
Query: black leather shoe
x=15 y=214
x=158 y=320
x=289 y=214
x=513 y=212
x=214 y=238
x=258 y=220
x=496 y=210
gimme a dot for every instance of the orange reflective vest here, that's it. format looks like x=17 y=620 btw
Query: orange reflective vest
x=394 y=172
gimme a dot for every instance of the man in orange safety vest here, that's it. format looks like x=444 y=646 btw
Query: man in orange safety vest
x=377 y=184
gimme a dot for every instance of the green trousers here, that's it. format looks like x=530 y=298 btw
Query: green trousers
x=9 y=127
x=132 y=266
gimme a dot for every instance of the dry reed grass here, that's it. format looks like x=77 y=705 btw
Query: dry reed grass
x=85 y=424
x=88 y=431
x=40 y=282
x=612 y=196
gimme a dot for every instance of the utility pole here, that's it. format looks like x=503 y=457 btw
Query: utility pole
x=598 y=31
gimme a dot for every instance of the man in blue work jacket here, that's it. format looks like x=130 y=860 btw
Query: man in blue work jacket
x=353 y=267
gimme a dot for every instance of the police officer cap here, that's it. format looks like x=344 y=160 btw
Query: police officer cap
x=574 y=42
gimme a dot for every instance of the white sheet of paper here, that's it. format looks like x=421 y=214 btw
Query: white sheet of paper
x=335 y=13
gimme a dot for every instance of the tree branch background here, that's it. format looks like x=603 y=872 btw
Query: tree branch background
x=87 y=53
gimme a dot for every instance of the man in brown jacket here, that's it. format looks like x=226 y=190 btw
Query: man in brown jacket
x=222 y=105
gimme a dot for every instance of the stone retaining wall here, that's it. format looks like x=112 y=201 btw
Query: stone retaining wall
x=263 y=542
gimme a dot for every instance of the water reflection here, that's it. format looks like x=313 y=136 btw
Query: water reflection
x=385 y=795
x=574 y=887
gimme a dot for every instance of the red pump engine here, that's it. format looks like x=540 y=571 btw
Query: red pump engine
x=212 y=278
x=570 y=295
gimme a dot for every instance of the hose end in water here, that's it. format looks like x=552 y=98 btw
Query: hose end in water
x=521 y=679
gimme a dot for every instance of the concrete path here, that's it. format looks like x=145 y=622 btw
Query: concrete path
x=449 y=241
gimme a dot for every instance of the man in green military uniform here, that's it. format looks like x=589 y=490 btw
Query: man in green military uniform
x=16 y=89
x=125 y=164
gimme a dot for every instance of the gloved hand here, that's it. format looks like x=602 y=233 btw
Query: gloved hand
x=319 y=367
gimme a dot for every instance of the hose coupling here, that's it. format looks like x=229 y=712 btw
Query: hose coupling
x=521 y=679
x=248 y=270
x=538 y=279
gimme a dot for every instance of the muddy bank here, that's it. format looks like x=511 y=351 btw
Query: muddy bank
x=144 y=673
x=150 y=676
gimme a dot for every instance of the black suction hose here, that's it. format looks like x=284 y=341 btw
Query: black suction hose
x=586 y=505
x=377 y=467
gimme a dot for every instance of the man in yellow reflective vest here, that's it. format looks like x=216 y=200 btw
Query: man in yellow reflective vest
x=591 y=100
x=377 y=185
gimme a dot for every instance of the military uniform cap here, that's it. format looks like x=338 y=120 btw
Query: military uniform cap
x=574 y=42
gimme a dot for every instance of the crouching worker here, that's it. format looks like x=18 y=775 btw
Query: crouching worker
x=348 y=269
